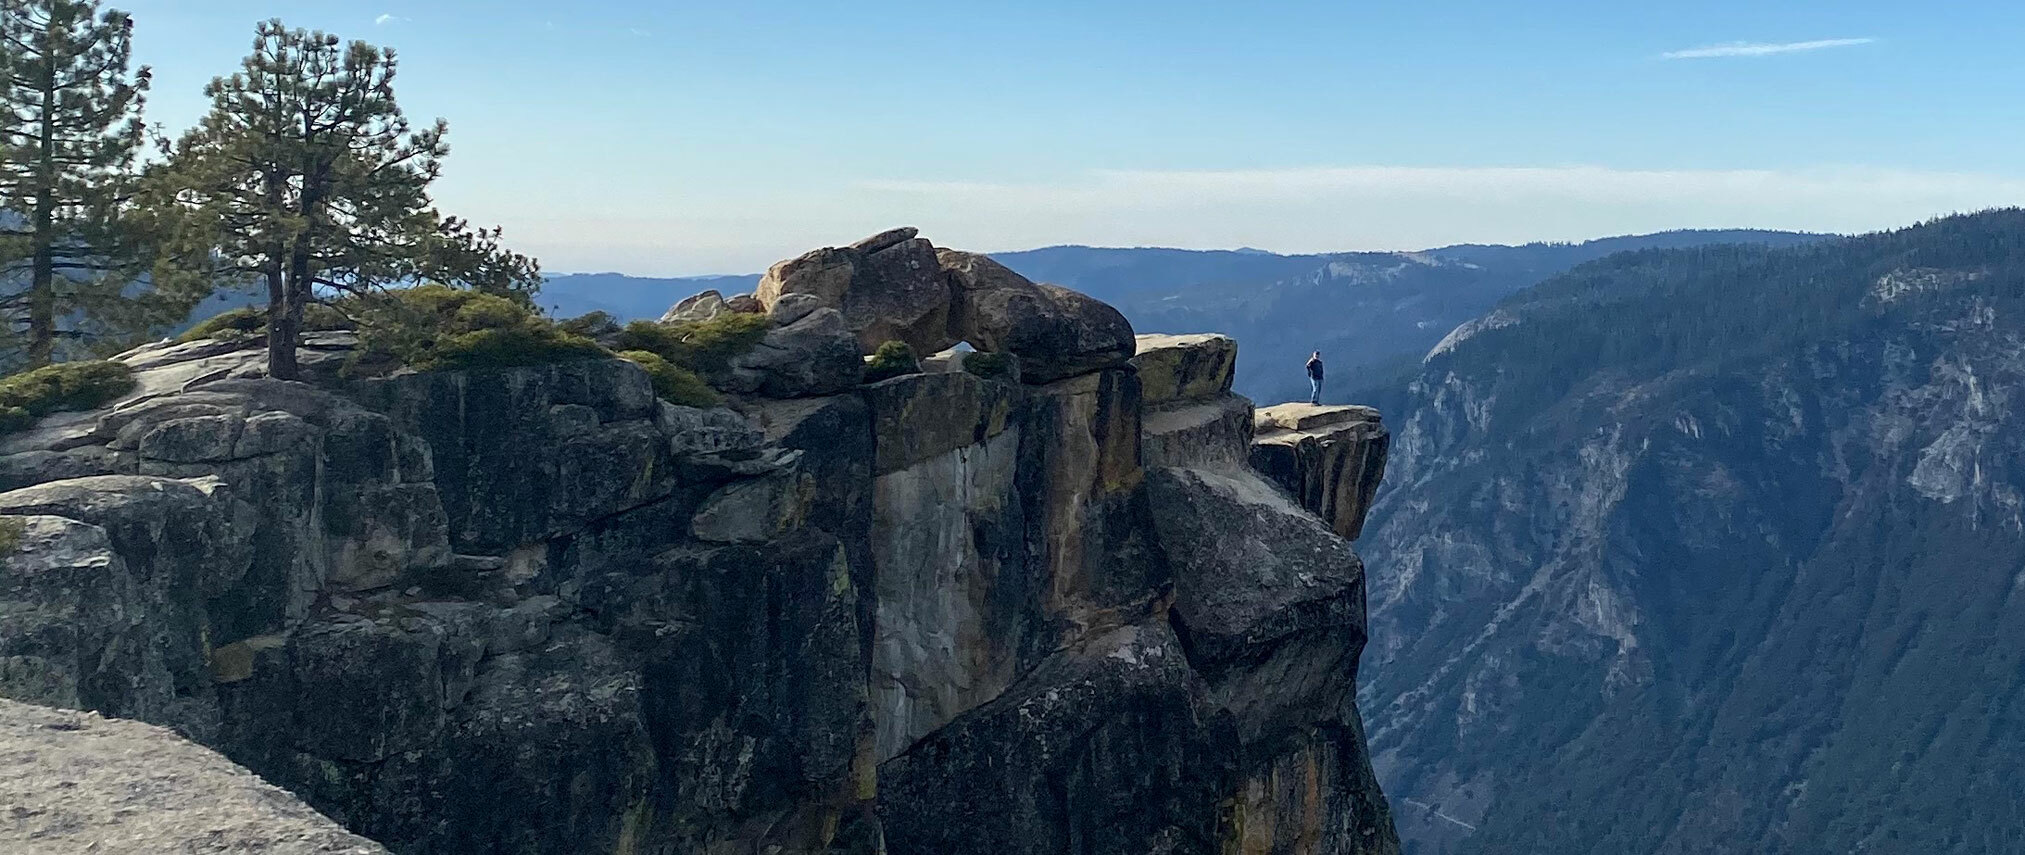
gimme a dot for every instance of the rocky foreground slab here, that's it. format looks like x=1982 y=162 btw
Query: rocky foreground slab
x=77 y=783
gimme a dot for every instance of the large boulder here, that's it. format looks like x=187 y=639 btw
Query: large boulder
x=896 y=286
x=889 y=288
x=701 y=307
x=1255 y=577
x=814 y=355
x=1185 y=367
x=1055 y=332
x=1192 y=419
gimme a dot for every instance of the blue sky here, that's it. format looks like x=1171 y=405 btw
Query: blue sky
x=692 y=137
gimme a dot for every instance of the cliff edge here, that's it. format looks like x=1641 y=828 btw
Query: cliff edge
x=1040 y=605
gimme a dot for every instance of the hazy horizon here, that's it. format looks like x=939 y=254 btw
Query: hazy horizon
x=1157 y=247
x=685 y=138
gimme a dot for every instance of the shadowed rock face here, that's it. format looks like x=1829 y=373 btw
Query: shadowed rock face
x=538 y=610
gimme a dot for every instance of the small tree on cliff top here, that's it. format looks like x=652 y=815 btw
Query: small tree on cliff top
x=70 y=134
x=307 y=177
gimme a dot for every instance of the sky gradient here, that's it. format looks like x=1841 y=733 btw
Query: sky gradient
x=660 y=138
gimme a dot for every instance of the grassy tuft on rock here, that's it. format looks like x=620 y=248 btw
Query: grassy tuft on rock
x=892 y=359
x=11 y=529
x=673 y=383
x=30 y=395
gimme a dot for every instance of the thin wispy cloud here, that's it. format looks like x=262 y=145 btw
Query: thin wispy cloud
x=1735 y=49
x=386 y=19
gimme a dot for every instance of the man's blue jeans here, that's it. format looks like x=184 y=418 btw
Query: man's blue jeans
x=1315 y=398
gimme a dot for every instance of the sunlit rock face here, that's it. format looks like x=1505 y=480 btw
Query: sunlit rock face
x=539 y=610
x=1331 y=458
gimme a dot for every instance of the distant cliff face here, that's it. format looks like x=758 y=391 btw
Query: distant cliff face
x=539 y=610
x=1715 y=551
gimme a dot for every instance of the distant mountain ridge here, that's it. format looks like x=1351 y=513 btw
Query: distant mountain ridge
x=1369 y=312
x=1714 y=549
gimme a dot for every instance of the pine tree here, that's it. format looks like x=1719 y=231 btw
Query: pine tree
x=70 y=134
x=306 y=176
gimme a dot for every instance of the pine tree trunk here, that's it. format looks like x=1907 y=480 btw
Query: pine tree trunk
x=284 y=331
x=41 y=307
x=281 y=331
x=42 y=282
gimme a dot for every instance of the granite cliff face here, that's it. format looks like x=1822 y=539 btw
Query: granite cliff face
x=539 y=610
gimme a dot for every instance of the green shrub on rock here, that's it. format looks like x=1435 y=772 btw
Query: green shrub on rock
x=673 y=383
x=705 y=347
x=892 y=359
x=439 y=328
x=244 y=322
x=251 y=322
x=596 y=326
x=30 y=395
x=990 y=366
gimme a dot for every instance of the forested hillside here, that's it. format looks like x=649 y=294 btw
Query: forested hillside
x=1715 y=550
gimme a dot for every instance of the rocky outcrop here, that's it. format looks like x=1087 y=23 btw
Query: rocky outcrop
x=1268 y=602
x=896 y=286
x=1055 y=332
x=701 y=307
x=812 y=355
x=1192 y=418
x=889 y=288
x=1330 y=457
x=77 y=782
x=539 y=610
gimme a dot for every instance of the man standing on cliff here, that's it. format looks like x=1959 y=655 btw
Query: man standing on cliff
x=1315 y=377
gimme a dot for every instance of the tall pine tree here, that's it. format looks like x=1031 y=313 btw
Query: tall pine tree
x=70 y=133
x=306 y=176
